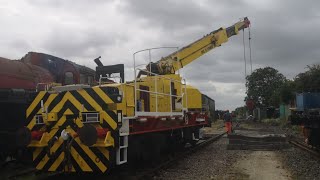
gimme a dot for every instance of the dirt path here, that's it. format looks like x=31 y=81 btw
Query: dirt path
x=262 y=165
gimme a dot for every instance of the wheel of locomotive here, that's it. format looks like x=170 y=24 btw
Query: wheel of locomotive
x=23 y=137
x=175 y=141
x=147 y=148
x=191 y=135
x=195 y=136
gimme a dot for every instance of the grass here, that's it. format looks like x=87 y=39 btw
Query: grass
x=284 y=124
x=273 y=122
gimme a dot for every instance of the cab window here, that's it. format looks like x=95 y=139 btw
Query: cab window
x=90 y=80
x=83 y=79
x=68 y=78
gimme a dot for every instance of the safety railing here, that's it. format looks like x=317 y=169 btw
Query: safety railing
x=155 y=92
x=46 y=86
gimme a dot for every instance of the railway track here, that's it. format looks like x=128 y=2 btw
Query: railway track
x=149 y=173
x=29 y=173
x=314 y=152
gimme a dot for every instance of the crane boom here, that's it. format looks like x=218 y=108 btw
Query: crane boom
x=182 y=57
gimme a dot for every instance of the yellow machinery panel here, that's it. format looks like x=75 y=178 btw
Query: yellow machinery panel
x=194 y=100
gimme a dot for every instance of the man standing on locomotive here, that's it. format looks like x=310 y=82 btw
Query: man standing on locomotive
x=228 y=121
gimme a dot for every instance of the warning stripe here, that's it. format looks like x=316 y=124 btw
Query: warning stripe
x=90 y=100
x=91 y=157
x=105 y=152
x=48 y=101
x=45 y=159
x=112 y=92
x=109 y=120
x=61 y=124
x=36 y=152
x=53 y=159
x=97 y=98
x=37 y=107
x=82 y=100
x=75 y=165
x=57 y=163
x=97 y=107
x=78 y=162
x=35 y=102
x=103 y=95
x=67 y=96
x=64 y=104
x=69 y=108
x=72 y=103
x=56 y=101
x=101 y=157
x=41 y=157
x=68 y=101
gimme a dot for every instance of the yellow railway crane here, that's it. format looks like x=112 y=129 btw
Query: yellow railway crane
x=77 y=128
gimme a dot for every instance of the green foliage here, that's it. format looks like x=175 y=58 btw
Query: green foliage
x=287 y=92
x=263 y=86
x=267 y=87
x=241 y=111
x=308 y=81
x=284 y=94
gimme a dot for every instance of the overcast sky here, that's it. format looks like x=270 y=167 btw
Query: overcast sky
x=285 y=35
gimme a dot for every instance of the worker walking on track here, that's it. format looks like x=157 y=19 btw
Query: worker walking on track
x=228 y=121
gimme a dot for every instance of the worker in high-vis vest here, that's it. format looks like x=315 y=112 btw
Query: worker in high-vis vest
x=228 y=121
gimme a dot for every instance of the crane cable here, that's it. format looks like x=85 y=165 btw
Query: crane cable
x=250 y=48
x=244 y=52
x=244 y=56
x=245 y=61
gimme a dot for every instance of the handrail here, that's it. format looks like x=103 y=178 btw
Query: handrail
x=155 y=77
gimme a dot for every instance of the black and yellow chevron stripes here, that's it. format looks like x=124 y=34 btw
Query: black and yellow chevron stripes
x=68 y=106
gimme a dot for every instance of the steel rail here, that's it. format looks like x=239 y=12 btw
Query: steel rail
x=306 y=147
x=150 y=172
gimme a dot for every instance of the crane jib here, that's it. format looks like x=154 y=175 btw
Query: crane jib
x=189 y=53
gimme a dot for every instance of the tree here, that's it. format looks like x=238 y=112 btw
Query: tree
x=287 y=92
x=308 y=81
x=241 y=111
x=263 y=86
